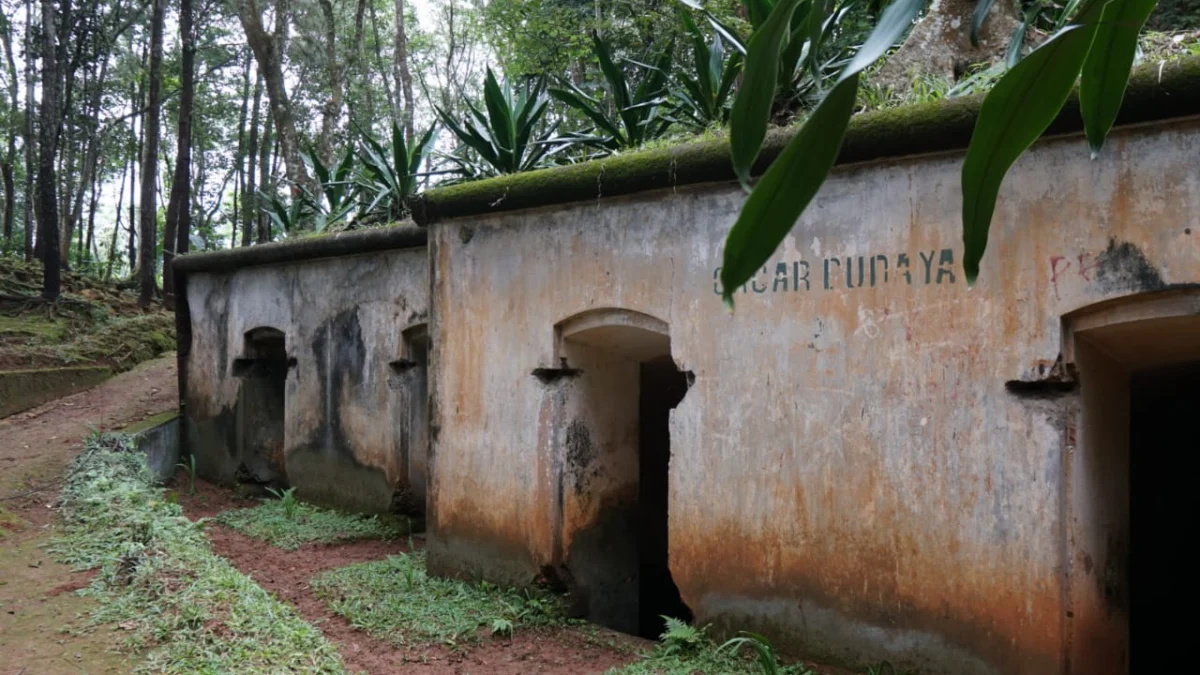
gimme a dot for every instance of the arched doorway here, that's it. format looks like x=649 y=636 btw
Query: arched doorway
x=262 y=370
x=617 y=447
x=1131 y=502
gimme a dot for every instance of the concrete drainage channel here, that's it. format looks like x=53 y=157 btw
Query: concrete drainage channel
x=21 y=390
x=158 y=437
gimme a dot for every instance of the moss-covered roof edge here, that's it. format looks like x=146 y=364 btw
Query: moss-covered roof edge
x=307 y=248
x=1157 y=91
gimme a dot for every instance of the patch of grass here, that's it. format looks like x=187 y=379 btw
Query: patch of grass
x=187 y=609
x=396 y=600
x=288 y=523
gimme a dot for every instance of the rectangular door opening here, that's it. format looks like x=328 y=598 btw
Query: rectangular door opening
x=1164 y=440
x=260 y=411
x=662 y=386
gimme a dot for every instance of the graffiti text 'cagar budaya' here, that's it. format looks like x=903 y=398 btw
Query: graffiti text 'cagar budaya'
x=841 y=272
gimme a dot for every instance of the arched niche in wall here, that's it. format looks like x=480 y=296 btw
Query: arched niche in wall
x=612 y=423
x=262 y=369
x=409 y=383
x=1131 y=448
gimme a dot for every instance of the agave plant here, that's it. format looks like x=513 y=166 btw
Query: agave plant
x=705 y=95
x=806 y=64
x=286 y=218
x=506 y=138
x=638 y=114
x=389 y=174
x=338 y=192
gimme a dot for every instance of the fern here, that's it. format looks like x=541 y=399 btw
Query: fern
x=681 y=638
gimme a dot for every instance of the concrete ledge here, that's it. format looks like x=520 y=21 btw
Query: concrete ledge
x=1155 y=93
x=306 y=248
x=24 y=389
x=158 y=437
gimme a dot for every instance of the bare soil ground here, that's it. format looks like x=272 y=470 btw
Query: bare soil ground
x=38 y=608
x=564 y=651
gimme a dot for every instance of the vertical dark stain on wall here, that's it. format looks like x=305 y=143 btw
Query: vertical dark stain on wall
x=581 y=456
x=340 y=357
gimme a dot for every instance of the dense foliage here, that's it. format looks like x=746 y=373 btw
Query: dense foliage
x=137 y=129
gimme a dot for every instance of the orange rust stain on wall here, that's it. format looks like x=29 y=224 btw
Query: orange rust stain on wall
x=860 y=578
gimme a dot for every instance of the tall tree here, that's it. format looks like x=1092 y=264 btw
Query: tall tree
x=14 y=114
x=250 y=201
x=147 y=257
x=179 y=208
x=268 y=54
x=404 y=81
x=48 y=137
x=29 y=139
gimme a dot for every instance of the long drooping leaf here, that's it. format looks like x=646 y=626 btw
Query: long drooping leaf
x=982 y=7
x=1106 y=69
x=787 y=187
x=793 y=179
x=752 y=105
x=1015 y=113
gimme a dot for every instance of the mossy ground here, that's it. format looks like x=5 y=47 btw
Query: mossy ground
x=94 y=323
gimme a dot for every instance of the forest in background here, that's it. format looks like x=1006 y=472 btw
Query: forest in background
x=134 y=129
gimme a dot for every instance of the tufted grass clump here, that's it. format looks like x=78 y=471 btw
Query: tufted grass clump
x=396 y=600
x=288 y=523
x=182 y=607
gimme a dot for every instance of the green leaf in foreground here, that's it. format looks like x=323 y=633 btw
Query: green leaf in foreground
x=793 y=179
x=787 y=187
x=1015 y=113
x=1106 y=70
x=752 y=105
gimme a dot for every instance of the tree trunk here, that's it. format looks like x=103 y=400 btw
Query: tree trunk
x=147 y=258
x=47 y=184
x=10 y=156
x=332 y=110
x=404 y=80
x=268 y=53
x=393 y=103
x=263 y=234
x=30 y=142
x=137 y=136
x=112 y=247
x=251 y=205
x=179 y=208
x=239 y=183
x=940 y=43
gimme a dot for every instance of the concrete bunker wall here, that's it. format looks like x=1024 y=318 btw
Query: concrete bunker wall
x=849 y=472
x=352 y=428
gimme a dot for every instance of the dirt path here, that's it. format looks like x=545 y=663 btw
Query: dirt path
x=37 y=605
x=36 y=445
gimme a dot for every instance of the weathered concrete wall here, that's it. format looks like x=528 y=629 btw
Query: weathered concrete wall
x=849 y=473
x=343 y=321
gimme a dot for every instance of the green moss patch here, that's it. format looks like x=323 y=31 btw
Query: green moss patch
x=182 y=607
x=397 y=601
x=1157 y=91
x=291 y=524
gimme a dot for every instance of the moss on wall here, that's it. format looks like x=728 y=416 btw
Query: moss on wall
x=1155 y=93
x=304 y=248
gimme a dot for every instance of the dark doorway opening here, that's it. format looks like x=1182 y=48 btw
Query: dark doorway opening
x=1164 y=420
x=260 y=415
x=662 y=386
